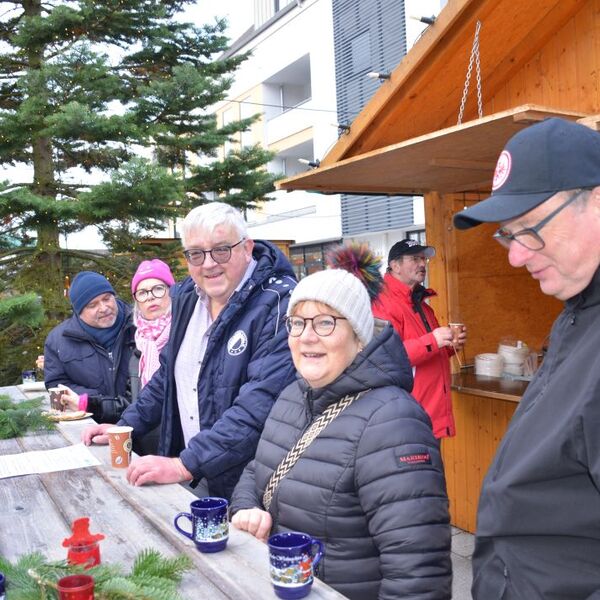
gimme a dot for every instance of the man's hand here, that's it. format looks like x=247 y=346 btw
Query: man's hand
x=462 y=337
x=95 y=434
x=157 y=469
x=255 y=521
x=443 y=336
x=68 y=398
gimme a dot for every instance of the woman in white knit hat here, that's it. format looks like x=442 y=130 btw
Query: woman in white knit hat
x=370 y=485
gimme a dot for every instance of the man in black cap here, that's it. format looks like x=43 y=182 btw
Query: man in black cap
x=538 y=526
x=429 y=346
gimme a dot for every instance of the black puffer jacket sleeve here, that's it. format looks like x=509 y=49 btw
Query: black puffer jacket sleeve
x=107 y=409
x=401 y=488
x=246 y=495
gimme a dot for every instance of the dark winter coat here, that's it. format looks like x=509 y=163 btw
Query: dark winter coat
x=538 y=525
x=370 y=486
x=236 y=390
x=73 y=358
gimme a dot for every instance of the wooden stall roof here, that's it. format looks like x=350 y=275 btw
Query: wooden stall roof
x=459 y=158
x=424 y=92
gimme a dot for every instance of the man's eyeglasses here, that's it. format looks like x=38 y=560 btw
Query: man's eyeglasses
x=156 y=291
x=323 y=325
x=530 y=237
x=416 y=258
x=220 y=254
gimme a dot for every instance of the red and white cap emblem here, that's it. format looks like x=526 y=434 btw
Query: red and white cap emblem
x=502 y=170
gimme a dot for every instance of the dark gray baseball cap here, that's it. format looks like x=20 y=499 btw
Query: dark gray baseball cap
x=407 y=247
x=536 y=163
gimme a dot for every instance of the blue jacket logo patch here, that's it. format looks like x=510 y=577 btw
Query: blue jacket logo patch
x=237 y=343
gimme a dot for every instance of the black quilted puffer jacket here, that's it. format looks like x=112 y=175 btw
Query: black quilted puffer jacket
x=371 y=486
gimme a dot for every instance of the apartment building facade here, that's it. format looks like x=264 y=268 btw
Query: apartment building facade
x=308 y=77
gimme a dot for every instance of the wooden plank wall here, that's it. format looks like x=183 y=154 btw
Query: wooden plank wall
x=468 y=456
x=563 y=74
x=477 y=285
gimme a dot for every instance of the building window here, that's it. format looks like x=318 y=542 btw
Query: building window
x=279 y=4
x=310 y=258
x=417 y=235
x=288 y=88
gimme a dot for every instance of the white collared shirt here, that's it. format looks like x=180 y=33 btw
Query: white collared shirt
x=190 y=357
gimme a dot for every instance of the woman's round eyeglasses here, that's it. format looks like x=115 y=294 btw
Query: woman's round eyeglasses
x=156 y=291
x=323 y=325
x=220 y=254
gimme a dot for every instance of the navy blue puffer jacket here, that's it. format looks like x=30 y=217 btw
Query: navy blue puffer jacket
x=236 y=390
x=370 y=486
x=73 y=358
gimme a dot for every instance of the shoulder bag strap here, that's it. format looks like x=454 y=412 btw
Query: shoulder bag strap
x=328 y=415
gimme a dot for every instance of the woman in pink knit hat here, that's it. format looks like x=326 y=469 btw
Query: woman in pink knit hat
x=152 y=314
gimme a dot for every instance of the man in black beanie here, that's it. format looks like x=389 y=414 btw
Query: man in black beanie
x=90 y=352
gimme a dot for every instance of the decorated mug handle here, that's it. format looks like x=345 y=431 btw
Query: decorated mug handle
x=318 y=555
x=183 y=531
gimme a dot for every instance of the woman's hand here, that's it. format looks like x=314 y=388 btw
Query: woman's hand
x=256 y=521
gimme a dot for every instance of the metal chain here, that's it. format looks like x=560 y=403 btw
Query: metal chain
x=473 y=59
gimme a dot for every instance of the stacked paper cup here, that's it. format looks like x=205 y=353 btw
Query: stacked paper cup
x=514 y=356
x=489 y=364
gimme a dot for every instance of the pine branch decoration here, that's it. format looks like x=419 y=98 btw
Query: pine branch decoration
x=17 y=418
x=153 y=577
x=361 y=261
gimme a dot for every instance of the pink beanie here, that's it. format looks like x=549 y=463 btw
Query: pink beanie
x=152 y=269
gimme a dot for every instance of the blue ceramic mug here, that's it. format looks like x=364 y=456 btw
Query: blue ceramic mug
x=210 y=526
x=293 y=557
x=28 y=376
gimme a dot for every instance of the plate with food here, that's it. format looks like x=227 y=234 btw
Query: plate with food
x=71 y=415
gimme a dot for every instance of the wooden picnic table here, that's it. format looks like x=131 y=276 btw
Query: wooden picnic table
x=36 y=512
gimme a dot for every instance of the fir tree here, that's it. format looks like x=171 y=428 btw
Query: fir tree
x=105 y=103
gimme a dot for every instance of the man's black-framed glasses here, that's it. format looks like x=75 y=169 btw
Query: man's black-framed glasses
x=323 y=325
x=220 y=254
x=417 y=258
x=530 y=237
x=156 y=291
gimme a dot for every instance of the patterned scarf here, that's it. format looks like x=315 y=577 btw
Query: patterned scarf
x=150 y=339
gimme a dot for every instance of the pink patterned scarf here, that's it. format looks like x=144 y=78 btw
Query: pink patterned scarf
x=150 y=339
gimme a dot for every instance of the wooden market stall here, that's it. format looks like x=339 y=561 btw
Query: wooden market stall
x=537 y=59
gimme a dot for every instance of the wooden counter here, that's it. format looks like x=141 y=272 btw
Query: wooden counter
x=483 y=407
x=36 y=511
x=466 y=382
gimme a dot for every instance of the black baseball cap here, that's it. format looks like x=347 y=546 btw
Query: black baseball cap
x=407 y=247
x=546 y=158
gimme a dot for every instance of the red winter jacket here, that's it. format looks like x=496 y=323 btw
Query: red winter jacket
x=431 y=365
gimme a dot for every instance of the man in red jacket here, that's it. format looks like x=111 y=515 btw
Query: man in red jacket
x=429 y=346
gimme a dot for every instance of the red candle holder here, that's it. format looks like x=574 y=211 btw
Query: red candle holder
x=83 y=545
x=76 y=587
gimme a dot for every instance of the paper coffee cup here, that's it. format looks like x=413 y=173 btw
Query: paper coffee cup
x=119 y=439
x=55 y=394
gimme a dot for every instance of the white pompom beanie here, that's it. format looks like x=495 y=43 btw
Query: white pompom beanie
x=343 y=292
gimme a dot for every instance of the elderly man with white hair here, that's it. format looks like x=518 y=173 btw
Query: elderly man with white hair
x=226 y=360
